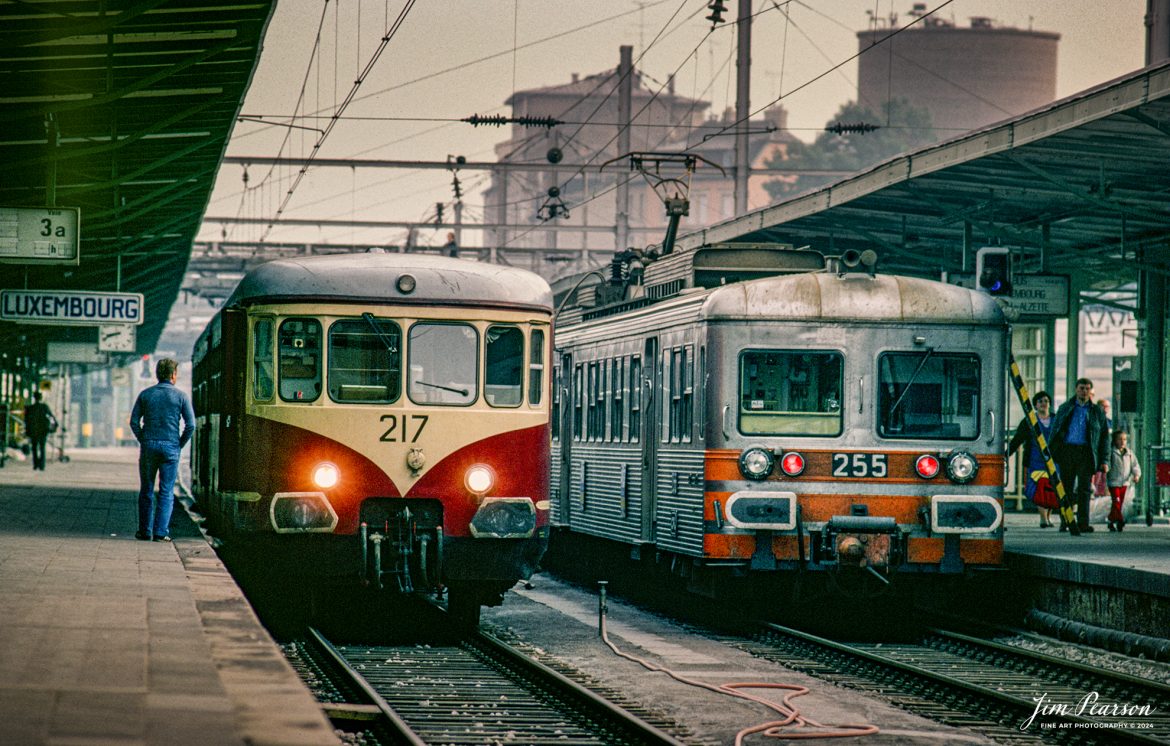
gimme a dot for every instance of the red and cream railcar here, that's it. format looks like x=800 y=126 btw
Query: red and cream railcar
x=381 y=416
x=749 y=410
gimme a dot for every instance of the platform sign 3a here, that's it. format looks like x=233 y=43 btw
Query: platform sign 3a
x=40 y=235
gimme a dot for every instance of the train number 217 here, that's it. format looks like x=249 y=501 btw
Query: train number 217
x=394 y=435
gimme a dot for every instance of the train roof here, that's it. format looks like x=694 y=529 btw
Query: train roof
x=852 y=297
x=374 y=278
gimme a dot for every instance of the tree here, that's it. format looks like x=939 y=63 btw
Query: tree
x=901 y=127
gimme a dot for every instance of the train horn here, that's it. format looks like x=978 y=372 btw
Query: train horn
x=852 y=259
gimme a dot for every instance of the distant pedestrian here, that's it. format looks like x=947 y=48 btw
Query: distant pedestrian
x=1080 y=444
x=1107 y=411
x=1037 y=490
x=1124 y=470
x=39 y=422
x=155 y=422
x=452 y=246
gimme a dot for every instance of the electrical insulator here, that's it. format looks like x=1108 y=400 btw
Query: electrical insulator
x=717 y=9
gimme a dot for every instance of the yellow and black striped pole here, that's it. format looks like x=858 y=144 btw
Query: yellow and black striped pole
x=1066 y=503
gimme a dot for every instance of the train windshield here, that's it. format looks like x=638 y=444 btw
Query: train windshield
x=927 y=394
x=365 y=361
x=299 y=345
x=443 y=359
x=503 y=366
x=784 y=392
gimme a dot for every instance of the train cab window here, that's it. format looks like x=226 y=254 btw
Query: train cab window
x=925 y=394
x=536 y=367
x=503 y=366
x=263 y=374
x=790 y=392
x=443 y=363
x=299 y=348
x=365 y=361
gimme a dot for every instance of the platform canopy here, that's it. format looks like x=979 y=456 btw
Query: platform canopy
x=1081 y=187
x=123 y=109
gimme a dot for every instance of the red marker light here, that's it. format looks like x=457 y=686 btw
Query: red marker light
x=927 y=466
x=792 y=464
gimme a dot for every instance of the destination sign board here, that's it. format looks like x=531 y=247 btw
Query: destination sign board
x=1033 y=295
x=39 y=235
x=74 y=308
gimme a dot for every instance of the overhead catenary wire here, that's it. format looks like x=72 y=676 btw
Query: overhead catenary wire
x=842 y=63
x=386 y=37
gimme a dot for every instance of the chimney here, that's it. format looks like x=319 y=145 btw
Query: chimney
x=576 y=77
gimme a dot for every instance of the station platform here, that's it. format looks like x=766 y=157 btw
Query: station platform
x=1110 y=580
x=105 y=639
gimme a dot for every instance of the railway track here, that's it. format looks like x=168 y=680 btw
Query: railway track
x=984 y=686
x=474 y=691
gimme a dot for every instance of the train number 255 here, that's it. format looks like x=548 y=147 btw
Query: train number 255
x=394 y=435
x=859 y=465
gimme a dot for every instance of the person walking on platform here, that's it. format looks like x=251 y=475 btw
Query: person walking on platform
x=155 y=422
x=1037 y=490
x=1123 y=471
x=1080 y=445
x=38 y=424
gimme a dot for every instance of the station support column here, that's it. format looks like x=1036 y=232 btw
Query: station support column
x=1153 y=362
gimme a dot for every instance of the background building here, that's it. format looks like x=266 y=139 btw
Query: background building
x=966 y=77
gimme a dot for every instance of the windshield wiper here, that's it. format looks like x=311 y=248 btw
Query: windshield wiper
x=461 y=392
x=369 y=317
x=913 y=378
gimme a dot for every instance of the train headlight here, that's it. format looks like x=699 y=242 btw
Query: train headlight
x=792 y=464
x=479 y=479
x=962 y=467
x=406 y=284
x=927 y=466
x=326 y=475
x=756 y=463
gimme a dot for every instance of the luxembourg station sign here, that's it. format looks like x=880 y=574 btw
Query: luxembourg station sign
x=70 y=307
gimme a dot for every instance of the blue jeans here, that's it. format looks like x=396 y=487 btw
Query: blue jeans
x=157 y=459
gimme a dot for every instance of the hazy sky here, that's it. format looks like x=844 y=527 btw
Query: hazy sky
x=1099 y=41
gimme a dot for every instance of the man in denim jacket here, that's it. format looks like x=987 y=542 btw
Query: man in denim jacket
x=1080 y=445
x=155 y=422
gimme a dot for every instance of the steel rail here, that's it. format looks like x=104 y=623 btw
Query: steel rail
x=355 y=679
x=570 y=691
x=1082 y=728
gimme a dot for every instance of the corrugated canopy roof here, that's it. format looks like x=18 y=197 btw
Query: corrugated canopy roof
x=126 y=106
x=1086 y=179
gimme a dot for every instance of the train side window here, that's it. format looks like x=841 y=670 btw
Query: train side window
x=365 y=361
x=578 y=396
x=618 y=381
x=444 y=365
x=503 y=366
x=299 y=345
x=536 y=367
x=591 y=403
x=263 y=375
x=686 y=409
x=635 y=398
x=556 y=404
x=790 y=392
x=926 y=394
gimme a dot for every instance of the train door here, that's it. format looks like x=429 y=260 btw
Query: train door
x=651 y=424
x=235 y=357
x=565 y=426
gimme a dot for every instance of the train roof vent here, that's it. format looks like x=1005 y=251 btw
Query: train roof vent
x=723 y=264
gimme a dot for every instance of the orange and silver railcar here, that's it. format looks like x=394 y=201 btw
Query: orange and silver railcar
x=380 y=416
x=745 y=410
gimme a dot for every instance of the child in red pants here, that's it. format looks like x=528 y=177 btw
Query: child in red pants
x=1124 y=470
